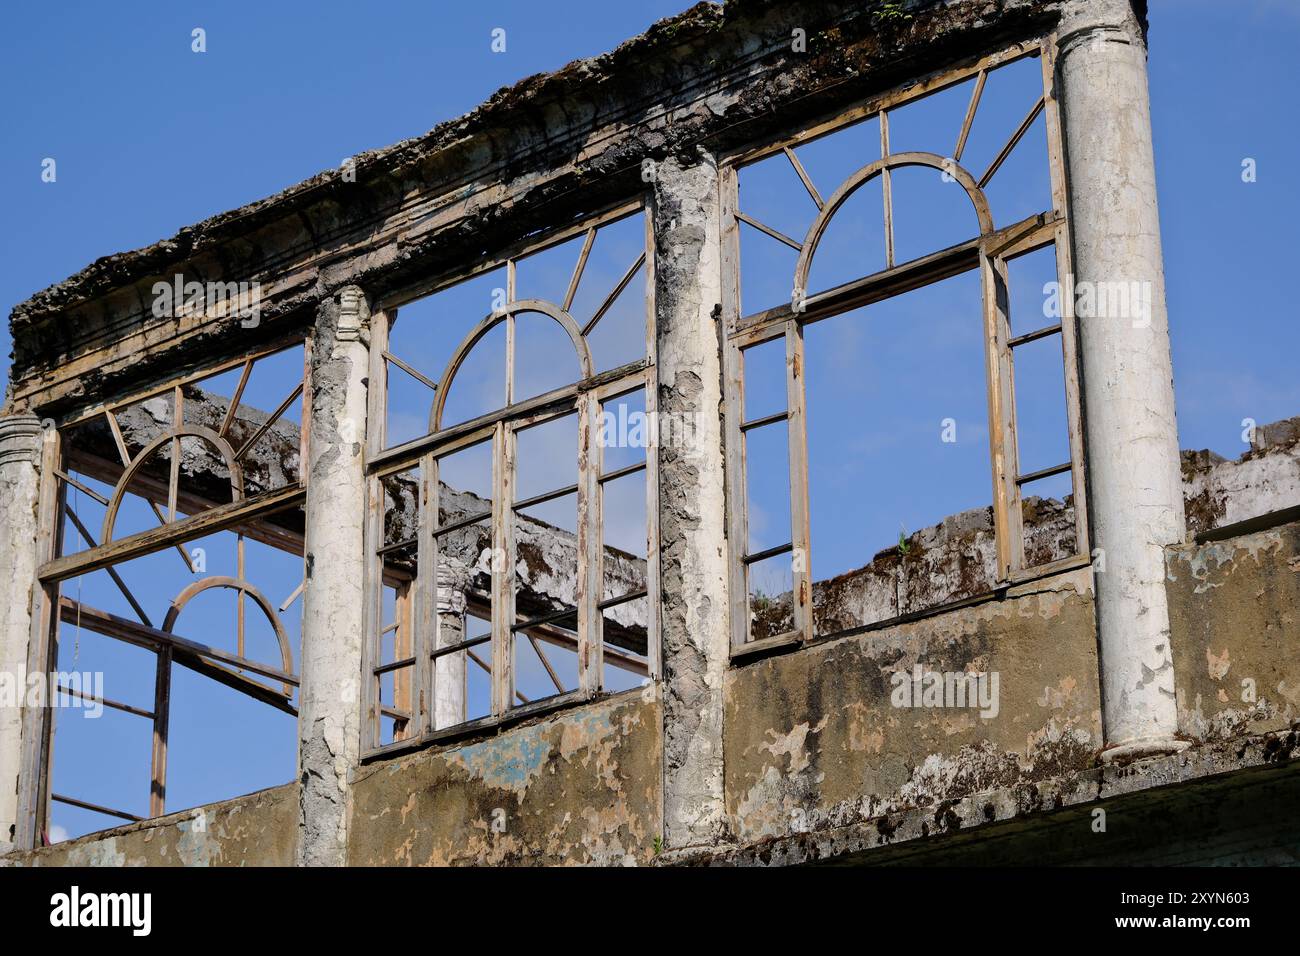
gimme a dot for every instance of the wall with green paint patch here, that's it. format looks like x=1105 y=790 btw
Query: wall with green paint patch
x=580 y=787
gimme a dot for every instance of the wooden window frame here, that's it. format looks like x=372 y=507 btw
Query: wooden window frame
x=988 y=253
x=420 y=632
x=243 y=516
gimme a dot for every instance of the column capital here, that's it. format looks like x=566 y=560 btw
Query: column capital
x=354 y=314
x=20 y=439
x=1089 y=22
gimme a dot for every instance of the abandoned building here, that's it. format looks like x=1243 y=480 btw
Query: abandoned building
x=485 y=479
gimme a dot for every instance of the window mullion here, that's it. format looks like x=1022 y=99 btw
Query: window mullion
x=428 y=622
x=796 y=433
x=590 y=547
x=503 y=568
x=373 y=538
x=734 y=397
x=1007 y=520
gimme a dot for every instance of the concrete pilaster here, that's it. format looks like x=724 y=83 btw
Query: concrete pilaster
x=333 y=627
x=20 y=456
x=1135 y=489
x=692 y=500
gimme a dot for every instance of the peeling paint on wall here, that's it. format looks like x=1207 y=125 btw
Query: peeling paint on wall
x=1236 y=633
x=260 y=829
x=583 y=786
x=813 y=740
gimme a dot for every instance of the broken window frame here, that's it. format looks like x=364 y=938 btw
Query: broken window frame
x=242 y=516
x=989 y=253
x=419 y=629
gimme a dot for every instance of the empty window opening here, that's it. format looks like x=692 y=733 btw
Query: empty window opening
x=531 y=566
x=904 y=418
x=177 y=577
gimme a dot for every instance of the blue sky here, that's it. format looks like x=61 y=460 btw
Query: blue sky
x=149 y=136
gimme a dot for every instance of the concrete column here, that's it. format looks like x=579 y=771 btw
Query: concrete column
x=692 y=503
x=1135 y=487
x=333 y=627
x=20 y=456
x=449 y=687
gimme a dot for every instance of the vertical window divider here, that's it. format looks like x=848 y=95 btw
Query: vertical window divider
x=886 y=183
x=1065 y=283
x=734 y=397
x=590 y=547
x=653 y=649
x=304 y=429
x=428 y=623
x=796 y=432
x=510 y=332
x=373 y=529
x=503 y=567
x=373 y=536
x=1007 y=519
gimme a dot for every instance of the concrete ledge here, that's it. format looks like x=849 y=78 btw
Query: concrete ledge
x=984 y=810
x=257 y=829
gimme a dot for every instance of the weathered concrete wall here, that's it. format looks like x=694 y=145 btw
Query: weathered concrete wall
x=1151 y=806
x=820 y=764
x=579 y=787
x=1235 y=615
x=1265 y=479
x=813 y=740
x=260 y=829
x=1240 y=819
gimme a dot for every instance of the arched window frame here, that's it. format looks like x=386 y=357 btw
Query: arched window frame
x=989 y=252
x=419 y=625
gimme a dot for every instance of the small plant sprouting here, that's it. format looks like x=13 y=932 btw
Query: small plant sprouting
x=658 y=844
x=890 y=11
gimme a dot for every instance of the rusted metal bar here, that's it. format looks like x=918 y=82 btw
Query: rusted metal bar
x=764 y=228
x=107 y=702
x=578 y=268
x=617 y=291
x=970 y=115
x=112 y=571
x=229 y=418
x=1011 y=143
x=266 y=425
x=411 y=371
x=803 y=176
x=86 y=805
